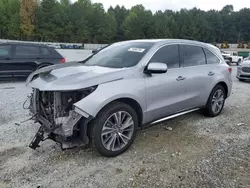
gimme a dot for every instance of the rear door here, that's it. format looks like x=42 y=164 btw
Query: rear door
x=5 y=58
x=199 y=75
x=25 y=59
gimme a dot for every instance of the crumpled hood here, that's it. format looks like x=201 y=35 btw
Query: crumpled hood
x=72 y=76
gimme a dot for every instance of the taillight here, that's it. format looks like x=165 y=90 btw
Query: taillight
x=230 y=69
x=63 y=60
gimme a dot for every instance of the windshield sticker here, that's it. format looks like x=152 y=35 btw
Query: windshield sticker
x=140 y=50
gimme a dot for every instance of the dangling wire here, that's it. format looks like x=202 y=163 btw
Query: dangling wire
x=26 y=108
x=26 y=120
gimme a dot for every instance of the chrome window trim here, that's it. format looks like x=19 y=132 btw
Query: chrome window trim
x=182 y=43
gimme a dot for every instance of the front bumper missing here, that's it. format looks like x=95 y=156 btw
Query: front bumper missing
x=67 y=127
x=64 y=134
x=37 y=138
x=69 y=130
x=66 y=143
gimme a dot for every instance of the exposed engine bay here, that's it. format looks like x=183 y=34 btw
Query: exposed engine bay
x=54 y=111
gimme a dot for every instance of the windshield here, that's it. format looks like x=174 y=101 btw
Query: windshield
x=120 y=55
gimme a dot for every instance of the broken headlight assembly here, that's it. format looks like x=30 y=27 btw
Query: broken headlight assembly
x=86 y=91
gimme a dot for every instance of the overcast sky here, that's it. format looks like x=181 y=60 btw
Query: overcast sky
x=177 y=4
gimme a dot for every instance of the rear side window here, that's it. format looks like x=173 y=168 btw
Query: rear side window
x=27 y=51
x=211 y=58
x=4 y=51
x=169 y=55
x=192 y=55
x=45 y=51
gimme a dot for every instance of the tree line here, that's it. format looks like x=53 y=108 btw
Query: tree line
x=87 y=22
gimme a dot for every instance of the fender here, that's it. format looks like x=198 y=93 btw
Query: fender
x=111 y=91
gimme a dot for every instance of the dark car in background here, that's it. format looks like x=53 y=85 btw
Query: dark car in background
x=21 y=59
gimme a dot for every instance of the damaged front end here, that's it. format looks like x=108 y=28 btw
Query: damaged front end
x=55 y=112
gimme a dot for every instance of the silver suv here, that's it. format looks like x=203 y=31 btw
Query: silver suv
x=104 y=99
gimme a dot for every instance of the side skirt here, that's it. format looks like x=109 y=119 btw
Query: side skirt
x=173 y=116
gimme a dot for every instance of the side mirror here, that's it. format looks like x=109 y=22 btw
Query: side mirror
x=156 y=68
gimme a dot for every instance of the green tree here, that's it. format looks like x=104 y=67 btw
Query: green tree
x=9 y=19
x=46 y=20
x=83 y=21
x=79 y=14
x=161 y=25
x=243 y=25
x=120 y=13
x=137 y=23
x=27 y=18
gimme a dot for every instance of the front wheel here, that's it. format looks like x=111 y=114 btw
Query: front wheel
x=241 y=80
x=114 y=129
x=215 y=101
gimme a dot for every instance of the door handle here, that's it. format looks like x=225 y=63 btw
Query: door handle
x=39 y=58
x=180 y=78
x=7 y=58
x=211 y=74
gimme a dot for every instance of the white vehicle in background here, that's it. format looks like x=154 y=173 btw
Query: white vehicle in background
x=57 y=46
x=50 y=45
x=232 y=57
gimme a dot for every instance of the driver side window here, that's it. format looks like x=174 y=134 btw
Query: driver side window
x=169 y=55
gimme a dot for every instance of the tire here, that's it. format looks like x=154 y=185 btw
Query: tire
x=241 y=80
x=100 y=122
x=209 y=110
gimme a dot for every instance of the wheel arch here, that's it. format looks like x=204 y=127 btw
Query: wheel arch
x=45 y=64
x=224 y=85
x=131 y=102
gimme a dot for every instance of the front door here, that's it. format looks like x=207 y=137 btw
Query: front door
x=165 y=93
x=5 y=58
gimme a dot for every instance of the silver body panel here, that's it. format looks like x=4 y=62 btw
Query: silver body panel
x=159 y=95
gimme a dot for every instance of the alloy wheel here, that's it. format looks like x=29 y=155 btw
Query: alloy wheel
x=117 y=131
x=218 y=101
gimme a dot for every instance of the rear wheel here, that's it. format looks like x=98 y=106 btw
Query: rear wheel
x=114 y=129
x=215 y=101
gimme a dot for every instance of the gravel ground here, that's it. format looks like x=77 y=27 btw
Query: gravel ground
x=198 y=152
